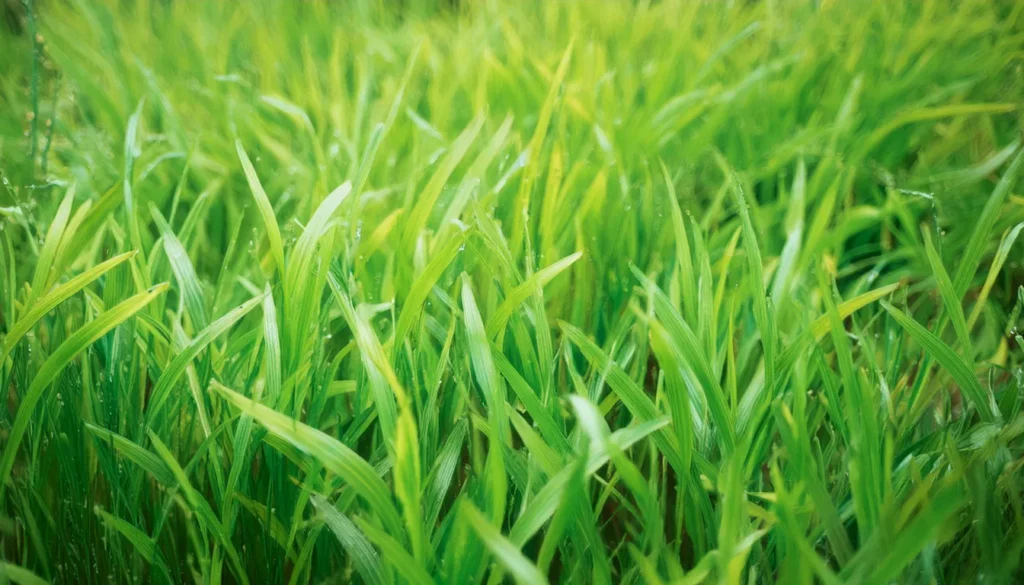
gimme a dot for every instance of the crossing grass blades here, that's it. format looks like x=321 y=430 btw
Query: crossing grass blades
x=489 y=292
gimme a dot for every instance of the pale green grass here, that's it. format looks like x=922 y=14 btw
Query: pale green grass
x=486 y=292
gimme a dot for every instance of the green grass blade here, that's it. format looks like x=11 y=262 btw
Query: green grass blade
x=416 y=220
x=950 y=299
x=142 y=543
x=363 y=556
x=396 y=556
x=272 y=342
x=300 y=264
x=55 y=297
x=971 y=258
x=135 y=453
x=424 y=283
x=19 y=575
x=335 y=456
x=549 y=429
x=174 y=370
x=61 y=357
x=204 y=514
x=632 y=396
x=948 y=359
x=47 y=254
x=524 y=572
x=184 y=273
x=516 y=297
x=547 y=499
x=264 y=207
x=1009 y=238
x=765 y=323
x=494 y=394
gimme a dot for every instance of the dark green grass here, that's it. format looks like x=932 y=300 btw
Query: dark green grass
x=484 y=292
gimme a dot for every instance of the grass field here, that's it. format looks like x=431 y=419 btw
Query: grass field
x=491 y=292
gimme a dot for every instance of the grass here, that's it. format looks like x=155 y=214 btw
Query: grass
x=485 y=292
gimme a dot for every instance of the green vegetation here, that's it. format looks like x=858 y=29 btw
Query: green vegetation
x=493 y=292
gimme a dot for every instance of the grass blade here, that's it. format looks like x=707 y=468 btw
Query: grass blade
x=264 y=207
x=524 y=572
x=357 y=546
x=335 y=456
x=51 y=300
x=947 y=358
x=174 y=370
x=67 y=351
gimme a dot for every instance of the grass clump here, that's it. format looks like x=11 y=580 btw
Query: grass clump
x=482 y=292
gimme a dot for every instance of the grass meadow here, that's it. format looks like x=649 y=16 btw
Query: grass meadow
x=483 y=292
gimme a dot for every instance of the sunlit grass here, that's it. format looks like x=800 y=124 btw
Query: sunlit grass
x=484 y=292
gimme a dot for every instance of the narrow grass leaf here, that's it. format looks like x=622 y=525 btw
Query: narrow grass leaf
x=335 y=456
x=174 y=370
x=263 y=205
x=954 y=364
x=58 y=360
x=51 y=300
x=524 y=572
x=359 y=549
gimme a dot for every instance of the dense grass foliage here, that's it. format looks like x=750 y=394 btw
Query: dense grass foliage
x=533 y=292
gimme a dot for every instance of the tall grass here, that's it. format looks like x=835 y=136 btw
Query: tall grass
x=485 y=292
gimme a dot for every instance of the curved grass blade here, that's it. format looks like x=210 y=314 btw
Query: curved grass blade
x=271 y=523
x=300 y=264
x=522 y=292
x=416 y=220
x=687 y=350
x=441 y=475
x=384 y=384
x=970 y=259
x=19 y=575
x=52 y=367
x=684 y=268
x=931 y=113
x=48 y=253
x=174 y=370
x=954 y=364
x=950 y=299
x=821 y=326
x=184 y=271
x=403 y=563
x=597 y=429
x=547 y=500
x=638 y=403
x=1009 y=238
x=201 y=508
x=334 y=455
x=422 y=286
x=524 y=571
x=358 y=547
x=265 y=208
x=762 y=316
x=476 y=172
x=494 y=393
x=142 y=543
x=135 y=453
x=551 y=431
x=272 y=342
x=48 y=302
